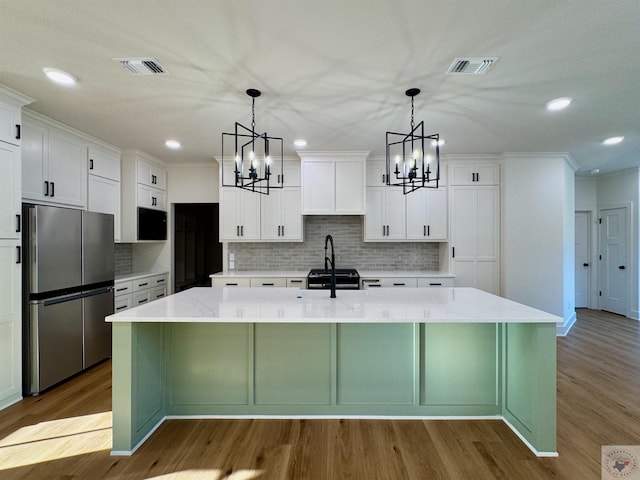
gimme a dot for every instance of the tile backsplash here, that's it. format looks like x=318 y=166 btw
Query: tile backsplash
x=124 y=258
x=350 y=249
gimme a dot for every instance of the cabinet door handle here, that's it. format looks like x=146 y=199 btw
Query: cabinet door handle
x=18 y=132
x=46 y=188
x=19 y=254
x=453 y=252
x=383 y=179
x=283 y=230
x=383 y=230
x=18 y=224
x=91 y=164
x=428 y=230
x=53 y=189
x=282 y=178
x=237 y=230
x=621 y=267
x=278 y=230
x=242 y=230
x=424 y=230
x=153 y=179
x=477 y=177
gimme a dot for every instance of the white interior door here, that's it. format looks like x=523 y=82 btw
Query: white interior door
x=614 y=266
x=582 y=260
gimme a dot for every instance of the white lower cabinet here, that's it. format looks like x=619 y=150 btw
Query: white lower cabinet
x=138 y=291
x=230 y=282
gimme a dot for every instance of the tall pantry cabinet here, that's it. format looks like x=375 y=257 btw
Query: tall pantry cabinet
x=11 y=104
x=475 y=223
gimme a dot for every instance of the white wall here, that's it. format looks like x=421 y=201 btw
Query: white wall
x=538 y=202
x=187 y=183
x=622 y=189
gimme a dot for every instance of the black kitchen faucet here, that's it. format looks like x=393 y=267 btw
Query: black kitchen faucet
x=329 y=239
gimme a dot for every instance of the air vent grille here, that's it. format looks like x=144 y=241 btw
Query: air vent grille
x=142 y=66
x=471 y=65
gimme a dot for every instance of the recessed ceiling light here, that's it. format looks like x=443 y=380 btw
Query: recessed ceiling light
x=60 y=77
x=613 y=140
x=559 y=104
x=595 y=171
x=300 y=142
x=173 y=144
x=440 y=142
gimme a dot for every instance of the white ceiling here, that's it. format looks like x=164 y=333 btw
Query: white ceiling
x=335 y=71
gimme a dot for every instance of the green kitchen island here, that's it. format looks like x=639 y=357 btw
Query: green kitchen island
x=380 y=353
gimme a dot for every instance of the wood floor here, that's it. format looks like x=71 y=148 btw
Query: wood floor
x=65 y=433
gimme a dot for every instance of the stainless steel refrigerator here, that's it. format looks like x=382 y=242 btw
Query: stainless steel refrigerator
x=68 y=291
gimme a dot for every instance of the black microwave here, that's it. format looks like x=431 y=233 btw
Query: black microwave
x=152 y=224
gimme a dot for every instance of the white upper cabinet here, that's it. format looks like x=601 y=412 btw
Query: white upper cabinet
x=280 y=218
x=10 y=201
x=385 y=217
x=474 y=172
x=333 y=183
x=143 y=184
x=103 y=162
x=11 y=103
x=54 y=166
x=427 y=214
x=239 y=215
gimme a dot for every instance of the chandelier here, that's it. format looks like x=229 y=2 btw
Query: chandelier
x=413 y=159
x=253 y=163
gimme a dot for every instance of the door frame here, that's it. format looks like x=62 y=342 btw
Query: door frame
x=593 y=265
x=631 y=260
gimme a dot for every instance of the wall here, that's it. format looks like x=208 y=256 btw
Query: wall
x=538 y=203
x=350 y=249
x=622 y=189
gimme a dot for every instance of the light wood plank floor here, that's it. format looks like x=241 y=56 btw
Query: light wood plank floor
x=65 y=433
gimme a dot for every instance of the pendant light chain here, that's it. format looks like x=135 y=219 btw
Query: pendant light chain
x=412 y=114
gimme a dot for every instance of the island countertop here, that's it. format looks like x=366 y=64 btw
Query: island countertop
x=290 y=305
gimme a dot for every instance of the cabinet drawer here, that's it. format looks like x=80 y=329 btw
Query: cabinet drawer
x=389 y=282
x=123 y=288
x=142 y=284
x=123 y=302
x=268 y=282
x=297 y=282
x=230 y=282
x=140 y=298
x=435 y=282
x=158 y=281
x=157 y=292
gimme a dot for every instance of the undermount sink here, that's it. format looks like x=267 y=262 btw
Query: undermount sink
x=301 y=293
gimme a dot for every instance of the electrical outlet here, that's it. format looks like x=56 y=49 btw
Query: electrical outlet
x=232 y=265
x=232 y=257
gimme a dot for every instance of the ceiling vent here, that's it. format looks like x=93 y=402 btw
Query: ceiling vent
x=142 y=66
x=471 y=65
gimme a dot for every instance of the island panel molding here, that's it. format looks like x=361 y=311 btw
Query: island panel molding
x=423 y=353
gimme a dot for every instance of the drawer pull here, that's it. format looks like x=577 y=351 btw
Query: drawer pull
x=160 y=296
x=231 y=284
x=123 y=289
x=295 y=281
x=400 y=284
x=267 y=284
x=121 y=308
x=143 y=284
x=435 y=284
x=143 y=300
x=160 y=281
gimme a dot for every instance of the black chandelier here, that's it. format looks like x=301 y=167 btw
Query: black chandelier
x=413 y=159
x=252 y=169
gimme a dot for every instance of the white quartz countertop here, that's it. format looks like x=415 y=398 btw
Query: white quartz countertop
x=291 y=305
x=363 y=273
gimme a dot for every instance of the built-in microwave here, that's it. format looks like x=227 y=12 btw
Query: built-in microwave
x=152 y=224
